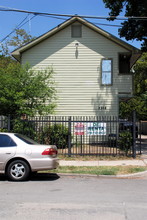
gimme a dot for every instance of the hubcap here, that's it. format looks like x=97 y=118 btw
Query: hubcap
x=17 y=170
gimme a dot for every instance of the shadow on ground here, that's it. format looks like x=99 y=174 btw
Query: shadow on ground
x=37 y=177
x=44 y=177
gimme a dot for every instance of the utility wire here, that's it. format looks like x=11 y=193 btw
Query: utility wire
x=50 y=16
x=68 y=15
x=60 y=16
x=112 y=25
x=18 y=26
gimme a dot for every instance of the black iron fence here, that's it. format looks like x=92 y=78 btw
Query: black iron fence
x=80 y=135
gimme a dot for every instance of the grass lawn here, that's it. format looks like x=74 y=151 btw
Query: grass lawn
x=99 y=170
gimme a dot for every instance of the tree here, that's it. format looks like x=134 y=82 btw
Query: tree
x=132 y=28
x=139 y=104
x=4 y=49
x=139 y=101
x=140 y=78
x=20 y=38
x=5 y=60
x=26 y=91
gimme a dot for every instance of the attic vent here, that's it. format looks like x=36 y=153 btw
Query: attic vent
x=76 y=31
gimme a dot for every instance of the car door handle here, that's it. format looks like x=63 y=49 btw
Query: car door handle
x=8 y=153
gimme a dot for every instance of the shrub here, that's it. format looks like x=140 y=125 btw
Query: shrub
x=24 y=127
x=3 y=130
x=55 y=134
x=125 y=141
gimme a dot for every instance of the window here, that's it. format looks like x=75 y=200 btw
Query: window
x=124 y=63
x=6 y=141
x=26 y=139
x=106 y=71
x=76 y=31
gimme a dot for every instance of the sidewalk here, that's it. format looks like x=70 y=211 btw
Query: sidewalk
x=133 y=162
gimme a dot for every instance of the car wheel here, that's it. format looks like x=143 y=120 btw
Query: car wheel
x=18 y=170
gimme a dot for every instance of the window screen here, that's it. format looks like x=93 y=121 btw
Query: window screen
x=76 y=31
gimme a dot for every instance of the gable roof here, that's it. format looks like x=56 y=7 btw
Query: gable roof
x=135 y=51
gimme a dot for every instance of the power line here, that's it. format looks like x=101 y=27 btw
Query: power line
x=50 y=16
x=68 y=15
x=27 y=21
x=17 y=27
x=60 y=17
x=112 y=25
x=14 y=29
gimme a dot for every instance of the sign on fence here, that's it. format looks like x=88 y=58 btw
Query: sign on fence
x=79 y=129
x=96 y=128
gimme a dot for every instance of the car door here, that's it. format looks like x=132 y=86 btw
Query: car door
x=7 y=149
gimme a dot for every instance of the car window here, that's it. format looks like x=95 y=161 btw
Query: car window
x=26 y=139
x=6 y=141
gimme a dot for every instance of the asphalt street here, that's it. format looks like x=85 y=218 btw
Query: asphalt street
x=57 y=197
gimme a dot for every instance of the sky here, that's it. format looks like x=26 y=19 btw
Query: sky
x=38 y=25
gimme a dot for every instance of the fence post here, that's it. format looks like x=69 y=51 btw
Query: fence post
x=134 y=134
x=139 y=130
x=9 y=122
x=69 y=136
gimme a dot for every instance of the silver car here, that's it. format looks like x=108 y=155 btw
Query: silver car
x=19 y=156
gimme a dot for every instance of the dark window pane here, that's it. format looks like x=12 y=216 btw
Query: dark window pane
x=26 y=139
x=124 y=63
x=6 y=141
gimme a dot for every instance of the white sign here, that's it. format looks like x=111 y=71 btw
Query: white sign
x=96 y=128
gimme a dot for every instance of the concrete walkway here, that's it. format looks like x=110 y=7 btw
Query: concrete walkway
x=141 y=162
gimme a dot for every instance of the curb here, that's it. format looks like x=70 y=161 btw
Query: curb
x=139 y=174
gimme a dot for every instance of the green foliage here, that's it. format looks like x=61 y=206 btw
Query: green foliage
x=131 y=28
x=140 y=78
x=20 y=38
x=3 y=130
x=24 y=127
x=138 y=104
x=125 y=141
x=55 y=134
x=139 y=101
x=26 y=91
x=4 y=50
x=4 y=61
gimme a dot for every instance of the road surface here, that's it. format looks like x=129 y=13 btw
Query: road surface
x=56 y=197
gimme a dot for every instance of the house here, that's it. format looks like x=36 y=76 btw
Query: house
x=92 y=67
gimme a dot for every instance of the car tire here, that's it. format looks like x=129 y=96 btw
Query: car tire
x=18 y=170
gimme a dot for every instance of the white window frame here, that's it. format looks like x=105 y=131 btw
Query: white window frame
x=106 y=75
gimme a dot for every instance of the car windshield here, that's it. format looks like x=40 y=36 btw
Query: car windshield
x=27 y=140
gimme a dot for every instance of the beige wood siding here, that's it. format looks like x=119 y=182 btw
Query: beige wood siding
x=78 y=74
